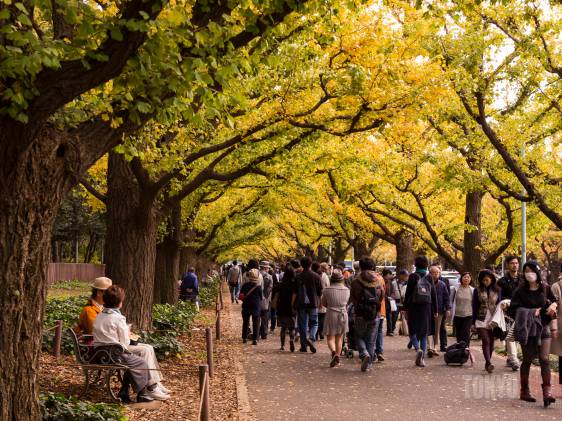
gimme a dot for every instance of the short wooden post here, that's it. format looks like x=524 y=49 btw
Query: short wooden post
x=204 y=392
x=218 y=326
x=220 y=296
x=58 y=338
x=209 y=337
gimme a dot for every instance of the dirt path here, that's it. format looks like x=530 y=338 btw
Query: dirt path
x=283 y=385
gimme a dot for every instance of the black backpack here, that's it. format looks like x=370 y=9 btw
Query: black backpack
x=422 y=292
x=457 y=354
x=369 y=304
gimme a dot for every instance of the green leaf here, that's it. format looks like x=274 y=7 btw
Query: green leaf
x=116 y=34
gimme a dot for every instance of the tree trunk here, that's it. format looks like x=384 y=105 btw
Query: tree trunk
x=404 y=251
x=130 y=246
x=339 y=251
x=33 y=181
x=186 y=257
x=168 y=261
x=472 y=244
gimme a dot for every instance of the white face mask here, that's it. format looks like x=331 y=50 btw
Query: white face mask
x=531 y=276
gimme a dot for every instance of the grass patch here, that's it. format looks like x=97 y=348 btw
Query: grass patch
x=65 y=289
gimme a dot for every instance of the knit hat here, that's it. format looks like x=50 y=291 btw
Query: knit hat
x=253 y=275
x=337 y=276
x=101 y=283
x=264 y=264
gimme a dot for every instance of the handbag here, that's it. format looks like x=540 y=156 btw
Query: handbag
x=243 y=296
x=393 y=306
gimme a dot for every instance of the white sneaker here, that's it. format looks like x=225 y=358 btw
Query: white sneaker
x=163 y=389
x=157 y=394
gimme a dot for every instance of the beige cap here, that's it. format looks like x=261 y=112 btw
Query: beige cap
x=253 y=275
x=101 y=283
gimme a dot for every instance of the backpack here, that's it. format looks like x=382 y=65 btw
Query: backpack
x=422 y=292
x=233 y=276
x=369 y=303
x=457 y=354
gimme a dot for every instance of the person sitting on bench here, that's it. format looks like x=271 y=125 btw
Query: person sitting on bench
x=94 y=306
x=110 y=327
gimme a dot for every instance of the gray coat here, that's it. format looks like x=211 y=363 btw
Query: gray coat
x=267 y=290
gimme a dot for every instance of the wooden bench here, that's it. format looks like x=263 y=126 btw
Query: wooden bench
x=102 y=365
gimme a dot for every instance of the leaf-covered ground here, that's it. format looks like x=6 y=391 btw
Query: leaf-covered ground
x=180 y=376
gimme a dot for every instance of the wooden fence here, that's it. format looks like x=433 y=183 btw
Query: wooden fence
x=69 y=271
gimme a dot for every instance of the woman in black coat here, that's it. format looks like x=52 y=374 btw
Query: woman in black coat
x=252 y=295
x=284 y=296
x=533 y=298
x=421 y=316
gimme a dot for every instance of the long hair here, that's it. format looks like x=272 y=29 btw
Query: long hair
x=535 y=268
x=487 y=273
x=289 y=274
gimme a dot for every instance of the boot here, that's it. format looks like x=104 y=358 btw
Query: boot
x=525 y=394
x=546 y=393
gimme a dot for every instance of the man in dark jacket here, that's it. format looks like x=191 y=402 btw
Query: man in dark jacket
x=443 y=312
x=367 y=295
x=309 y=287
x=421 y=304
x=189 y=288
x=508 y=284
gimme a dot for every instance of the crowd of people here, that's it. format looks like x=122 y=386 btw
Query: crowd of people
x=311 y=301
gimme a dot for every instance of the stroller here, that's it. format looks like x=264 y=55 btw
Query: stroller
x=349 y=340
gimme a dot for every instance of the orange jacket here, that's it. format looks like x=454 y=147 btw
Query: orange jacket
x=87 y=316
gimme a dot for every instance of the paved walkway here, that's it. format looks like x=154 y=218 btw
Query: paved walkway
x=283 y=385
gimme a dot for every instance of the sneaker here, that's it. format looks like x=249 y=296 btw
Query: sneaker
x=380 y=357
x=292 y=346
x=163 y=389
x=489 y=368
x=364 y=363
x=409 y=345
x=302 y=349
x=282 y=348
x=419 y=358
x=430 y=353
x=515 y=366
x=435 y=353
x=422 y=362
x=143 y=397
x=157 y=394
x=311 y=346
x=254 y=342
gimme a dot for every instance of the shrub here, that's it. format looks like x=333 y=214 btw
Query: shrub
x=176 y=317
x=56 y=407
x=208 y=294
x=65 y=309
x=165 y=343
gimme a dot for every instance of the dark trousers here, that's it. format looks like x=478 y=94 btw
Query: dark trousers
x=273 y=319
x=462 y=328
x=137 y=374
x=391 y=319
x=443 y=333
x=264 y=319
x=246 y=324
x=320 y=331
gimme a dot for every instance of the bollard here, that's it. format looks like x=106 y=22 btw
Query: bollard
x=57 y=339
x=218 y=326
x=209 y=337
x=220 y=296
x=204 y=392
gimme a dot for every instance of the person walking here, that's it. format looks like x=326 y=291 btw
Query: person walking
x=251 y=296
x=533 y=306
x=309 y=291
x=402 y=283
x=234 y=278
x=273 y=272
x=508 y=284
x=392 y=295
x=556 y=345
x=439 y=338
x=421 y=305
x=324 y=272
x=462 y=298
x=335 y=298
x=367 y=296
x=285 y=295
x=485 y=300
x=267 y=289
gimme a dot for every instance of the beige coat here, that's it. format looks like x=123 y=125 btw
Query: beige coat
x=556 y=345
